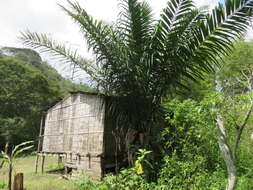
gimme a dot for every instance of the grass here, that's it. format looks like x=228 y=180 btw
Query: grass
x=39 y=181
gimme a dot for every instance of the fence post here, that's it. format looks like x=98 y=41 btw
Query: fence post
x=18 y=182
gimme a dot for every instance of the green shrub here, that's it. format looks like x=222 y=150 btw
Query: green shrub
x=2 y=185
x=189 y=174
x=84 y=183
x=128 y=179
x=189 y=157
x=244 y=183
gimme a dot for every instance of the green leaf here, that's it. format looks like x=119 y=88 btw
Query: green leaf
x=19 y=151
x=17 y=148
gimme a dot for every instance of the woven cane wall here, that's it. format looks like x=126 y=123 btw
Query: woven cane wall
x=75 y=125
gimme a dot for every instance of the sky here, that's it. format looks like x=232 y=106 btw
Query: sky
x=46 y=16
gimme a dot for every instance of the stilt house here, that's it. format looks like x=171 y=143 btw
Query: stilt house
x=77 y=129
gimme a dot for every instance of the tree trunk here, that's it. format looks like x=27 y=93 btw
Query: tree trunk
x=10 y=176
x=226 y=154
x=239 y=130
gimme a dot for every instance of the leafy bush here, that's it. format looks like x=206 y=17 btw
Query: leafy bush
x=190 y=130
x=189 y=155
x=2 y=185
x=244 y=183
x=84 y=183
x=189 y=147
x=128 y=179
x=188 y=174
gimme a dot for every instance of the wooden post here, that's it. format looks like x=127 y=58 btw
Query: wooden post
x=37 y=161
x=42 y=164
x=89 y=156
x=65 y=170
x=18 y=182
x=59 y=159
x=39 y=144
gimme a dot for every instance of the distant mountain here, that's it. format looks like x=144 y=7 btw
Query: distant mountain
x=34 y=60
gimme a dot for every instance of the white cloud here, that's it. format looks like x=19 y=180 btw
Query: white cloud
x=210 y=3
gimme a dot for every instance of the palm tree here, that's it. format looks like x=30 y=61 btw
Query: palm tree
x=145 y=57
x=140 y=60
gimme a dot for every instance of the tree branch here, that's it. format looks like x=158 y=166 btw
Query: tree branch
x=240 y=130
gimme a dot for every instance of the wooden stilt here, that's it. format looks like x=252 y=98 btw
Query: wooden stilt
x=42 y=164
x=39 y=144
x=59 y=159
x=37 y=163
x=89 y=156
x=65 y=170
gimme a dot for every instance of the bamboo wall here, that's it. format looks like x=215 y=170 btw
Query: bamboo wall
x=75 y=127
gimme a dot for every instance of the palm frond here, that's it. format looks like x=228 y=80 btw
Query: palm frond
x=135 y=25
x=172 y=15
x=104 y=41
x=44 y=43
x=19 y=146
x=4 y=156
x=97 y=33
x=178 y=20
x=191 y=43
x=19 y=151
x=216 y=35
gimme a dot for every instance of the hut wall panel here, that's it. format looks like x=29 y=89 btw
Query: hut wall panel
x=76 y=126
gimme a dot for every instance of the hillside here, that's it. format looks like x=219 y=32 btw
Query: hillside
x=34 y=60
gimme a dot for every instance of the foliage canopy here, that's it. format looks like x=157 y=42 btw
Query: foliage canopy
x=141 y=59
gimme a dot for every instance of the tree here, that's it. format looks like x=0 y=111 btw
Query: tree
x=141 y=60
x=236 y=74
x=235 y=82
x=233 y=114
x=23 y=93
